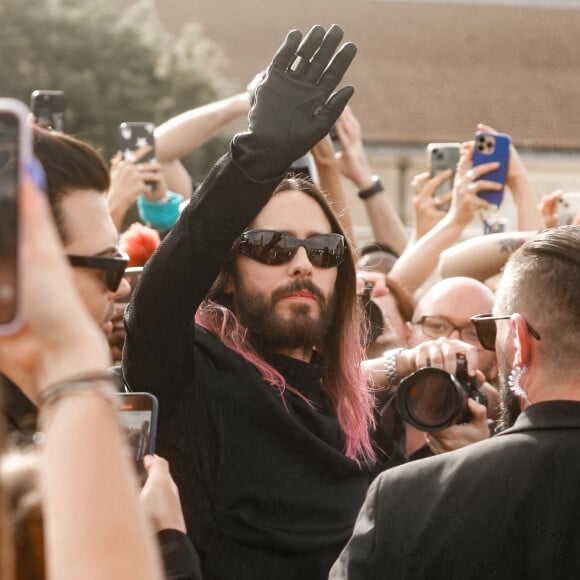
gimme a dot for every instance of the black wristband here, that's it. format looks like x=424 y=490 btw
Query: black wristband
x=375 y=188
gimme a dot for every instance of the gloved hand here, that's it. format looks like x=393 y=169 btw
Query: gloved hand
x=294 y=107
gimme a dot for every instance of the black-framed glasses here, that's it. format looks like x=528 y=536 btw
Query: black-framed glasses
x=487 y=329
x=275 y=248
x=441 y=327
x=113 y=266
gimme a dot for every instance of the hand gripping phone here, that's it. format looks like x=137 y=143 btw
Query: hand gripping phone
x=15 y=155
x=440 y=157
x=492 y=147
x=48 y=108
x=138 y=415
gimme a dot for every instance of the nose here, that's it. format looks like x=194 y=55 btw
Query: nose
x=123 y=289
x=300 y=264
x=455 y=333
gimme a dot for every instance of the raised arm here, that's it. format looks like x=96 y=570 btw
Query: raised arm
x=418 y=262
x=331 y=182
x=386 y=223
x=181 y=134
x=295 y=107
x=481 y=257
x=522 y=190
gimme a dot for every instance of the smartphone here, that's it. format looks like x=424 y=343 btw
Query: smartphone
x=132 y=274
x=15 y=155
x=48 y=108
x=305 y=167
x=138 y=415
x=492 y=147
x=568 y=207
x=440 y=157
x=133 y=136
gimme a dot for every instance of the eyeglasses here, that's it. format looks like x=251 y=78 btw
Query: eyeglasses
x=113 y=266
x=487 y=329
x=439 y=326
x=275 y=248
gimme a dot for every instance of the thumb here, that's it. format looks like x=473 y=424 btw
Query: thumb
x=477 y=410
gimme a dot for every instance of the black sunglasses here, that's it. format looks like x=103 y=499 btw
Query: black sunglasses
x=113 y=266
x=487 y=329
x=274 y=248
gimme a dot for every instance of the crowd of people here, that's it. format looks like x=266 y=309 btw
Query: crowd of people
x=295 y=438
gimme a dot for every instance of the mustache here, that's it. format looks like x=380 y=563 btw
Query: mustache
x=298 y=285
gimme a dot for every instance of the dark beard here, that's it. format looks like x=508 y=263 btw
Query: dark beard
x=269 y=330
x=509 y=403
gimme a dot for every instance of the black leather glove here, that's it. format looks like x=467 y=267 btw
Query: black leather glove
x=294 y=107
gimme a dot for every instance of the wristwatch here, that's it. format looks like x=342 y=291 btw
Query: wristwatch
x=390 y=361
x=375 y=188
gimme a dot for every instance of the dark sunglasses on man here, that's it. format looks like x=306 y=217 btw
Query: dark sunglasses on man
x=485 y=325
x=113 y=266
x=274 y=248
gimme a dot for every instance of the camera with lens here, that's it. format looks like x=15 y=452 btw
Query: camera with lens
x=432 y=399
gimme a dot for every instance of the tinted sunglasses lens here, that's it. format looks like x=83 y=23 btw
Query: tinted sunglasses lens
x=326 y=250
x=270 y=248
x=486 y=331
x=114 y=277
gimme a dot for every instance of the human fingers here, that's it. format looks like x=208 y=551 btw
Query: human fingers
x=480 y=170
x=418 y=182
x=548 y=208
x=142 y=152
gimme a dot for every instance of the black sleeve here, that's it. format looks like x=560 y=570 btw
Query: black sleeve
x=358 y=559
x=180 y=558
x=159 y=317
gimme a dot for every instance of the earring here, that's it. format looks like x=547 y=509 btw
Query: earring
x=514 y=382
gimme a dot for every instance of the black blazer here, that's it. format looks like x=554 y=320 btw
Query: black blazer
x=504 y=508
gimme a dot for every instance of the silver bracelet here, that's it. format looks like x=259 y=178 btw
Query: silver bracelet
x=390 y=362
x=102 y=382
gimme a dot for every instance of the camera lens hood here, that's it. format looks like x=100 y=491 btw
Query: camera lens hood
x=430 y=399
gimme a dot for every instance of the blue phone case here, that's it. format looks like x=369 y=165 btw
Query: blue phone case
x=492 y=147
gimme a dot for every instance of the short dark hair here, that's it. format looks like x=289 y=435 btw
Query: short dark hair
x=69 y=165
x=542 y=285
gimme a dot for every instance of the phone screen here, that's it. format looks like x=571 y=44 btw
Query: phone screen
x=138 y=415
x=10 y=127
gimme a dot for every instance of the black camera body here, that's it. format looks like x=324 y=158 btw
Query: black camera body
x=431 y=399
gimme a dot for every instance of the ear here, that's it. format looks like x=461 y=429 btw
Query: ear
x=521 y=340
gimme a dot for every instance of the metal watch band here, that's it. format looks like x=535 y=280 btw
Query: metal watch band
x=390 y=361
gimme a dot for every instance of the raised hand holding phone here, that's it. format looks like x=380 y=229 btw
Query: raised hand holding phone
x=443 y=157
x=492 y=147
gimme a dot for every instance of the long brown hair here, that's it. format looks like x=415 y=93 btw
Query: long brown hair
x=343 y=380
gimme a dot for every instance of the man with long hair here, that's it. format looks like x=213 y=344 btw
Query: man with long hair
x=245 y=326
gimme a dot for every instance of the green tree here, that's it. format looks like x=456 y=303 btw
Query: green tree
x=112 y=67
